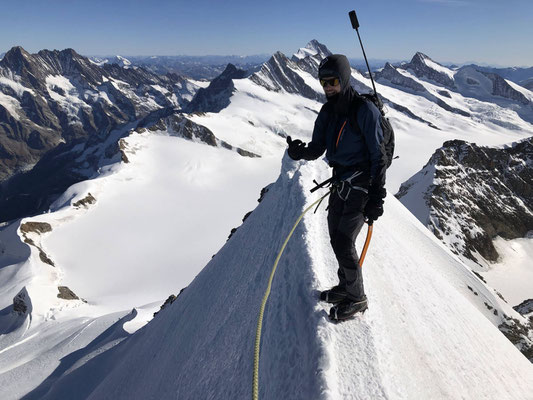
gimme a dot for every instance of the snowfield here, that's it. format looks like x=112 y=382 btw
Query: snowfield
x=165 y=214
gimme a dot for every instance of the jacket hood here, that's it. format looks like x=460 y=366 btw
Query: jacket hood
x=336 y=65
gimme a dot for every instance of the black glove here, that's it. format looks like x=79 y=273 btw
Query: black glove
x=374 y=206
x=296 y=149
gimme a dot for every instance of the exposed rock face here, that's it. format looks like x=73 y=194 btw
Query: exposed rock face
x=278 y=74
x=392 y=75
x=171 y=299
x=501 y=88
x=22 y=302
x=216 y=96
x=422 y=66
x=66 y=294
x=37 y=227
x=441 y=103
x=526 y=307
x=86 y=201
x=520 y=335
x=176 y=124
x=59 y=97
x=412 y=115
x=473 y=194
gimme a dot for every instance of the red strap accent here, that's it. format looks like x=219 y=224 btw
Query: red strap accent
x=340 y=133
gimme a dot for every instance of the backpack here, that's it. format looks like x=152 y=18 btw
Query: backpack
x=386 y=127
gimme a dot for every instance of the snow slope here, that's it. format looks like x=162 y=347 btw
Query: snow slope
x=156 y=222
x=423 y=336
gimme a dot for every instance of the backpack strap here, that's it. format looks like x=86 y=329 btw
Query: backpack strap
x=357 y=102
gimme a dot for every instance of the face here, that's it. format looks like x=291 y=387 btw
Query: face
x=330 y=89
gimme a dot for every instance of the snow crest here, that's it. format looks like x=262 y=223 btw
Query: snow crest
x=422 y=337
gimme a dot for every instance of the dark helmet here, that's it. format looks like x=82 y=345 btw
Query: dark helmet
x=336 y=65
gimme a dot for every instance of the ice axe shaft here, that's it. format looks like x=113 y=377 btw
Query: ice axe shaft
x=367 y=243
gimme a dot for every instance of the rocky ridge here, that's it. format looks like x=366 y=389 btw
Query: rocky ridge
x=177 y=124
x=280 y=73
x=59 y=97
x=391 y=74
x=473 y=194
x=424 y=67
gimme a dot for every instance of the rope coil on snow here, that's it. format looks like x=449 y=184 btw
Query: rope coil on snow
x=255 y=386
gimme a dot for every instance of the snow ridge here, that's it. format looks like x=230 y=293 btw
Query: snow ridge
x=422 y=337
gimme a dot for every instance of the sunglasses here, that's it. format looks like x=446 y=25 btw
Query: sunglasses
x=330 y=82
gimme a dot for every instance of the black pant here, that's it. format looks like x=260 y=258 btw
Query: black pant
x=345 y=220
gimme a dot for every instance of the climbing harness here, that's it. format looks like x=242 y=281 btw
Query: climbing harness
x=347 y=184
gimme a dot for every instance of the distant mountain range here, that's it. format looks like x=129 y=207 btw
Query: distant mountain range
x=53 y=102
x=522 y=76
x=55 y=105
x=195 y=67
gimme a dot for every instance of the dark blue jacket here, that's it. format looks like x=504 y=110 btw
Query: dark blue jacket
x=359 y=147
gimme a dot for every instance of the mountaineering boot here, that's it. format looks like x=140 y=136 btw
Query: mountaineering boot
x=334 y=295
x=347 y=309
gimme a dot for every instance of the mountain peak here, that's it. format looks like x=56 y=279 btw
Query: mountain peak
x=423 y=66
x=278 y=55
x=70 y=52
x=122 y=61
x=18 y=50
x=15 y=58
x=419 y=58
x=231 y=72
x=216 y=96
x=312 y=49
x=316 y=45
x=65 y=54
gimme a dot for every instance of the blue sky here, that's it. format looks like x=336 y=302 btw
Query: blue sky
x=485 y=31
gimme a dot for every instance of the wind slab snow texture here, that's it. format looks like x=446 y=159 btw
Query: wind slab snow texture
x=420 y=339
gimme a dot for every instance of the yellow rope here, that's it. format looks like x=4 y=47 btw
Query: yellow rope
x=255 y=387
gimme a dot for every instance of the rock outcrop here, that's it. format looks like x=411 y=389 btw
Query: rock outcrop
x=473 y=194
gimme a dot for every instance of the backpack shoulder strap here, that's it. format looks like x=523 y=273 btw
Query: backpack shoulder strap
x=357 y=102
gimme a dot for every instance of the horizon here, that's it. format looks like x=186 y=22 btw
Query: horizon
x=449 y=31
x=268 y=55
